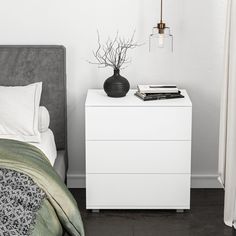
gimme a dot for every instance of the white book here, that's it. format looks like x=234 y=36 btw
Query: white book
x=158 y=88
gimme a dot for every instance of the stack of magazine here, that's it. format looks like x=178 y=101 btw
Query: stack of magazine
x=156 y=92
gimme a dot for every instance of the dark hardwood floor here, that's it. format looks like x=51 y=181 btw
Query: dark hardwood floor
x=204 y=219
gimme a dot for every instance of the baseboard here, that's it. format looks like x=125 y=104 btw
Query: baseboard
x=205 y=181
x=75 y=180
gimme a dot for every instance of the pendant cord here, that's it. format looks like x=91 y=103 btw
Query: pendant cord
x=161 y=10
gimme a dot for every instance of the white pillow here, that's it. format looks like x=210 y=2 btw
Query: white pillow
x=19 y=112
x=44 y=119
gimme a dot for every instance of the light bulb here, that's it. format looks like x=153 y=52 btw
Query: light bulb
x=161 y=40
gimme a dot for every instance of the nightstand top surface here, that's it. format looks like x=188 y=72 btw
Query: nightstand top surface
x=98 y=98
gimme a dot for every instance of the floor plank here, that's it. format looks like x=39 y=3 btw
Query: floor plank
x=204 y=219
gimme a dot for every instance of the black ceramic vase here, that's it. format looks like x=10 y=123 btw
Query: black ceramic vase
x=116 y=85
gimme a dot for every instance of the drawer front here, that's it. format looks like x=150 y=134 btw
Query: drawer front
x=138 y=123
x=138 y=191
x=138 y=156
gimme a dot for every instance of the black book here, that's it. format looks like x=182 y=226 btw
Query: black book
x=158 y=96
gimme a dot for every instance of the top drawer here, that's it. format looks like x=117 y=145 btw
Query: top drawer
x=138 y=123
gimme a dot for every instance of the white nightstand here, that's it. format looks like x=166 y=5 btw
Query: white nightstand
x=138 y=154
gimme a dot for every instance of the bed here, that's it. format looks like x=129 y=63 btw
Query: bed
x=23 y=65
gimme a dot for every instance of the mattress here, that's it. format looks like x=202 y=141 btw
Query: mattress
x=47 y=146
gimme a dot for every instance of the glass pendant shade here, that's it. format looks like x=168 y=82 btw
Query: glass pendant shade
x=161 y=41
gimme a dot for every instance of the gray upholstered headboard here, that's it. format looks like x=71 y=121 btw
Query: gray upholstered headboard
x=22 y=65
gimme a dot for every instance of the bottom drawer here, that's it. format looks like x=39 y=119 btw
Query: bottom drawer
x=138 y=191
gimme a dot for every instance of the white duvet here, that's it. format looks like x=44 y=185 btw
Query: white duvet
x=47 y=146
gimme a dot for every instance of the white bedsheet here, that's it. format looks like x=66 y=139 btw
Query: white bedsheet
x=47 y=145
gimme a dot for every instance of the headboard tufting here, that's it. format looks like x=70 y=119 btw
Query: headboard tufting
x=22 y=65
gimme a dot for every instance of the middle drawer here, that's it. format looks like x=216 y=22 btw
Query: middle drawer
x=138 y=157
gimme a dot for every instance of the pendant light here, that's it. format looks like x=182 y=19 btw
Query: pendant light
x=161 y=38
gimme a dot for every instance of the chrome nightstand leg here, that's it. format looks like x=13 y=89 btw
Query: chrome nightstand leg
x=180 y=210
x=95 y=211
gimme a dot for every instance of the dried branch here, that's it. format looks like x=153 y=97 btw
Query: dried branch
x=114 y=52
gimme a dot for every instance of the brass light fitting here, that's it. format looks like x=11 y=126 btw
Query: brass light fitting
x=161 y=27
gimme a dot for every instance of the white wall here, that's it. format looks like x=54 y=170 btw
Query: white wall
x=196 y=64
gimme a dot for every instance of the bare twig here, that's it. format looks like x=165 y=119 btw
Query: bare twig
x=114 y=52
